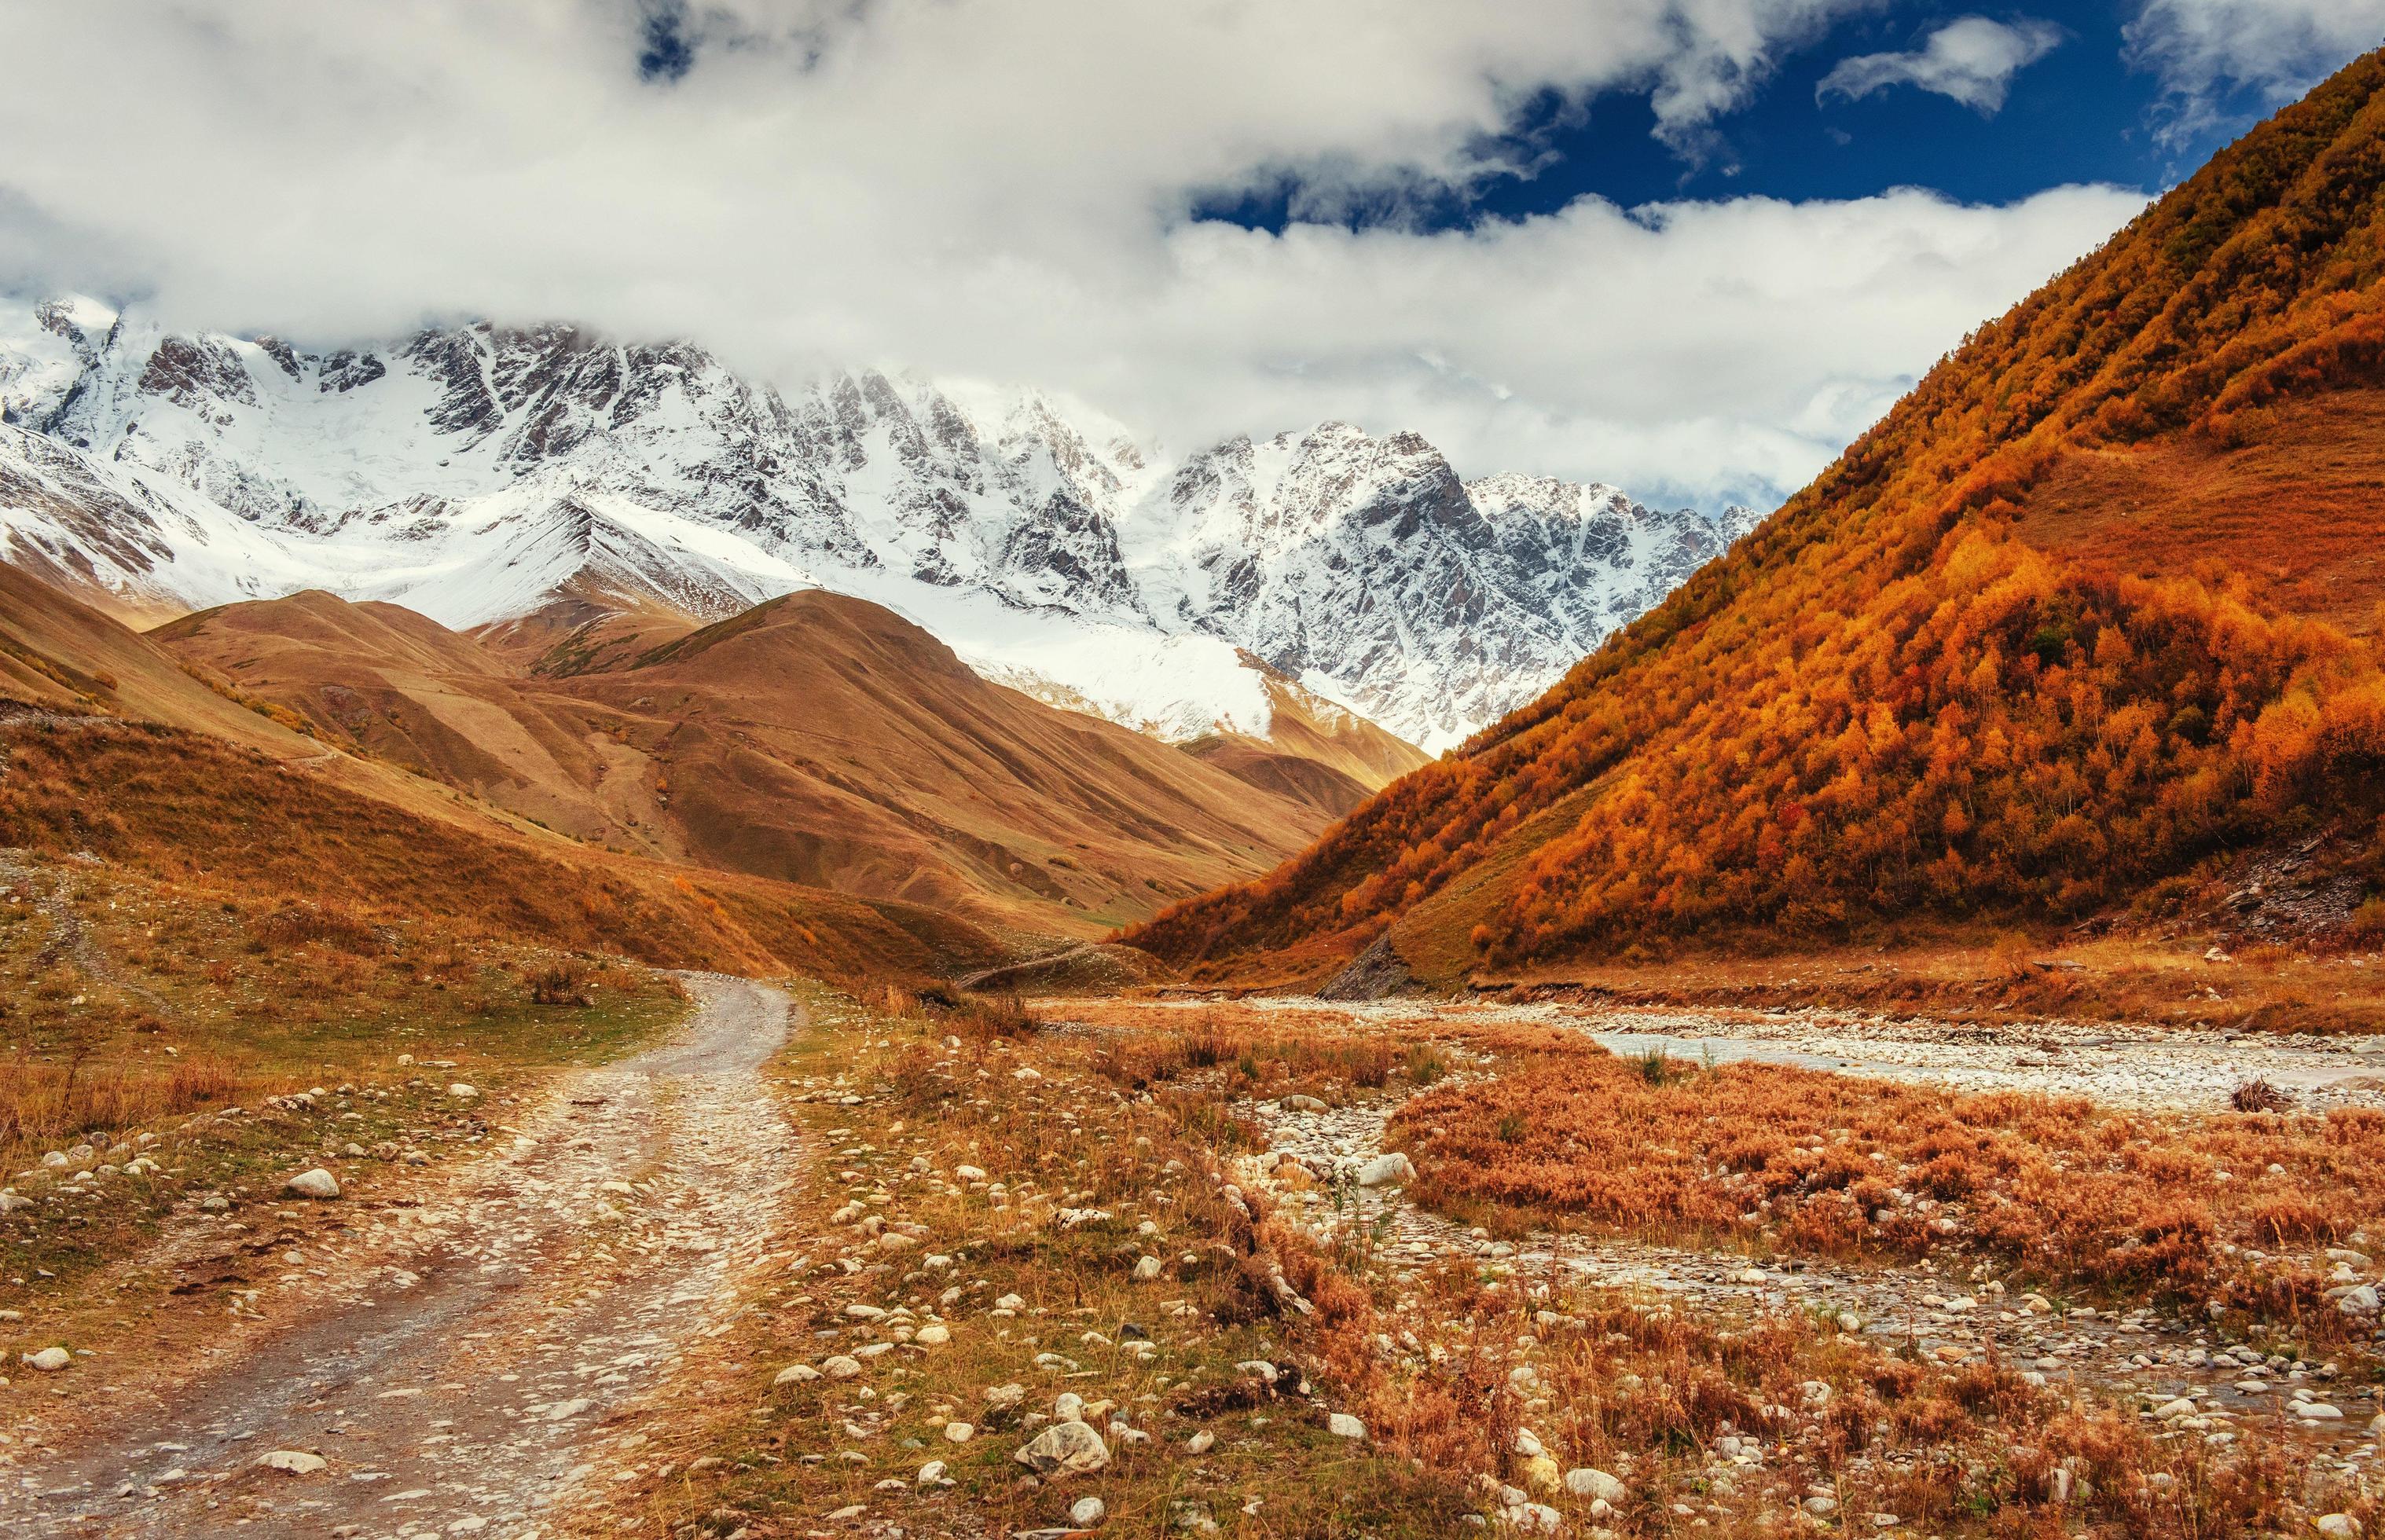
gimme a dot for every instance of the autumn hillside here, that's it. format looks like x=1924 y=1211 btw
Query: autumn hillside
x=2085 y=610
x=815 y=738
x=111 y=752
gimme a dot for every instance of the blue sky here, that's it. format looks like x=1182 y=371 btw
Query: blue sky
x=2083 y=111
x=1689 y=247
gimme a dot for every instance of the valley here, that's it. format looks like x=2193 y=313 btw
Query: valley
x=596 y=941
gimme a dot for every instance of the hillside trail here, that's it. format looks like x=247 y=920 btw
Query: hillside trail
x=52 y=897
x=479 y=1360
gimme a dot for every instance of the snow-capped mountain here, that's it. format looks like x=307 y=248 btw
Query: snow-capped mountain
x=475 y=474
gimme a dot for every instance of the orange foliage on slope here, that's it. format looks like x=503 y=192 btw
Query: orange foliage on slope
x=1885 y=698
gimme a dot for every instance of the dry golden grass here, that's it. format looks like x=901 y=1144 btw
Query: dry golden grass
x=2068 y=1195
x=1976 y=973
x=191 y=810
x=1444 y=1366
x=2063 y=1193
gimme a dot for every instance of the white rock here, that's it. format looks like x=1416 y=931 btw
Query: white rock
x=316 y=1183
x=462 y=1092
x=796 y=1374
x=1071 y=1447
x=930 y=1474
x=1085 y=1512
x=293 y=1462
x=1201 y=1443
x=837 y=1366
x=1146 y=1268
x=2337 y=1526
x=959 y=1432
x=1387 y=1171
x=1340 y=1424
x=969 y=1174
x=1583 y=1481
x=49 y=1360
x=1303 y=1104
x=934 y=1334
x=1070 y=1408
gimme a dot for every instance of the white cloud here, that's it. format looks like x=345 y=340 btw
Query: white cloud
x=2206 y=51
x=1000 y=193
x=1971 y=59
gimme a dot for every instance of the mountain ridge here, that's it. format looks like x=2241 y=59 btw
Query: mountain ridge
x=481 y=474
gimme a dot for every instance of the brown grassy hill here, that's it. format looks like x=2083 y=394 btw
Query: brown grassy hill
x=2050 y=635
x=825 y=734
x=58 y=652
x=383 y=679
x=816 y=739
x=112 y=750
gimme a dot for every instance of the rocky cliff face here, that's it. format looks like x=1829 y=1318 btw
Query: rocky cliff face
x=476 y=474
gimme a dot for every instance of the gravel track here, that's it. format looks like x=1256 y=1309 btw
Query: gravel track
x=479 y=1361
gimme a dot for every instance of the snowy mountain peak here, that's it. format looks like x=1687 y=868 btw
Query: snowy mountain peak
x=475 y=473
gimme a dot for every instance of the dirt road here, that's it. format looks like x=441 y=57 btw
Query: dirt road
x=474 y=1366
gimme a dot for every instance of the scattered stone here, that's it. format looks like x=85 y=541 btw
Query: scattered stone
x=1340 y=1424
x=1201 y=1443
x=959 y=1432
x=837 y=1366
x=2337 y=1526
x=316 y=1183
x=1390 y=1170
x=293 y=1462
x=1583 y=1481
x=50 y=1360
x=1085 y=1512
x=796 y=1374
x=1064 y=1449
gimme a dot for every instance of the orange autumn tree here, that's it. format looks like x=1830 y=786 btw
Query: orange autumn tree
x=1886 y=699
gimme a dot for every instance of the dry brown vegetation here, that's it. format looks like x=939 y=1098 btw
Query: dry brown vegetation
x=2067 y=1193
x=2060 y=1193
x=1956 y=977
x=1713 y=1418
